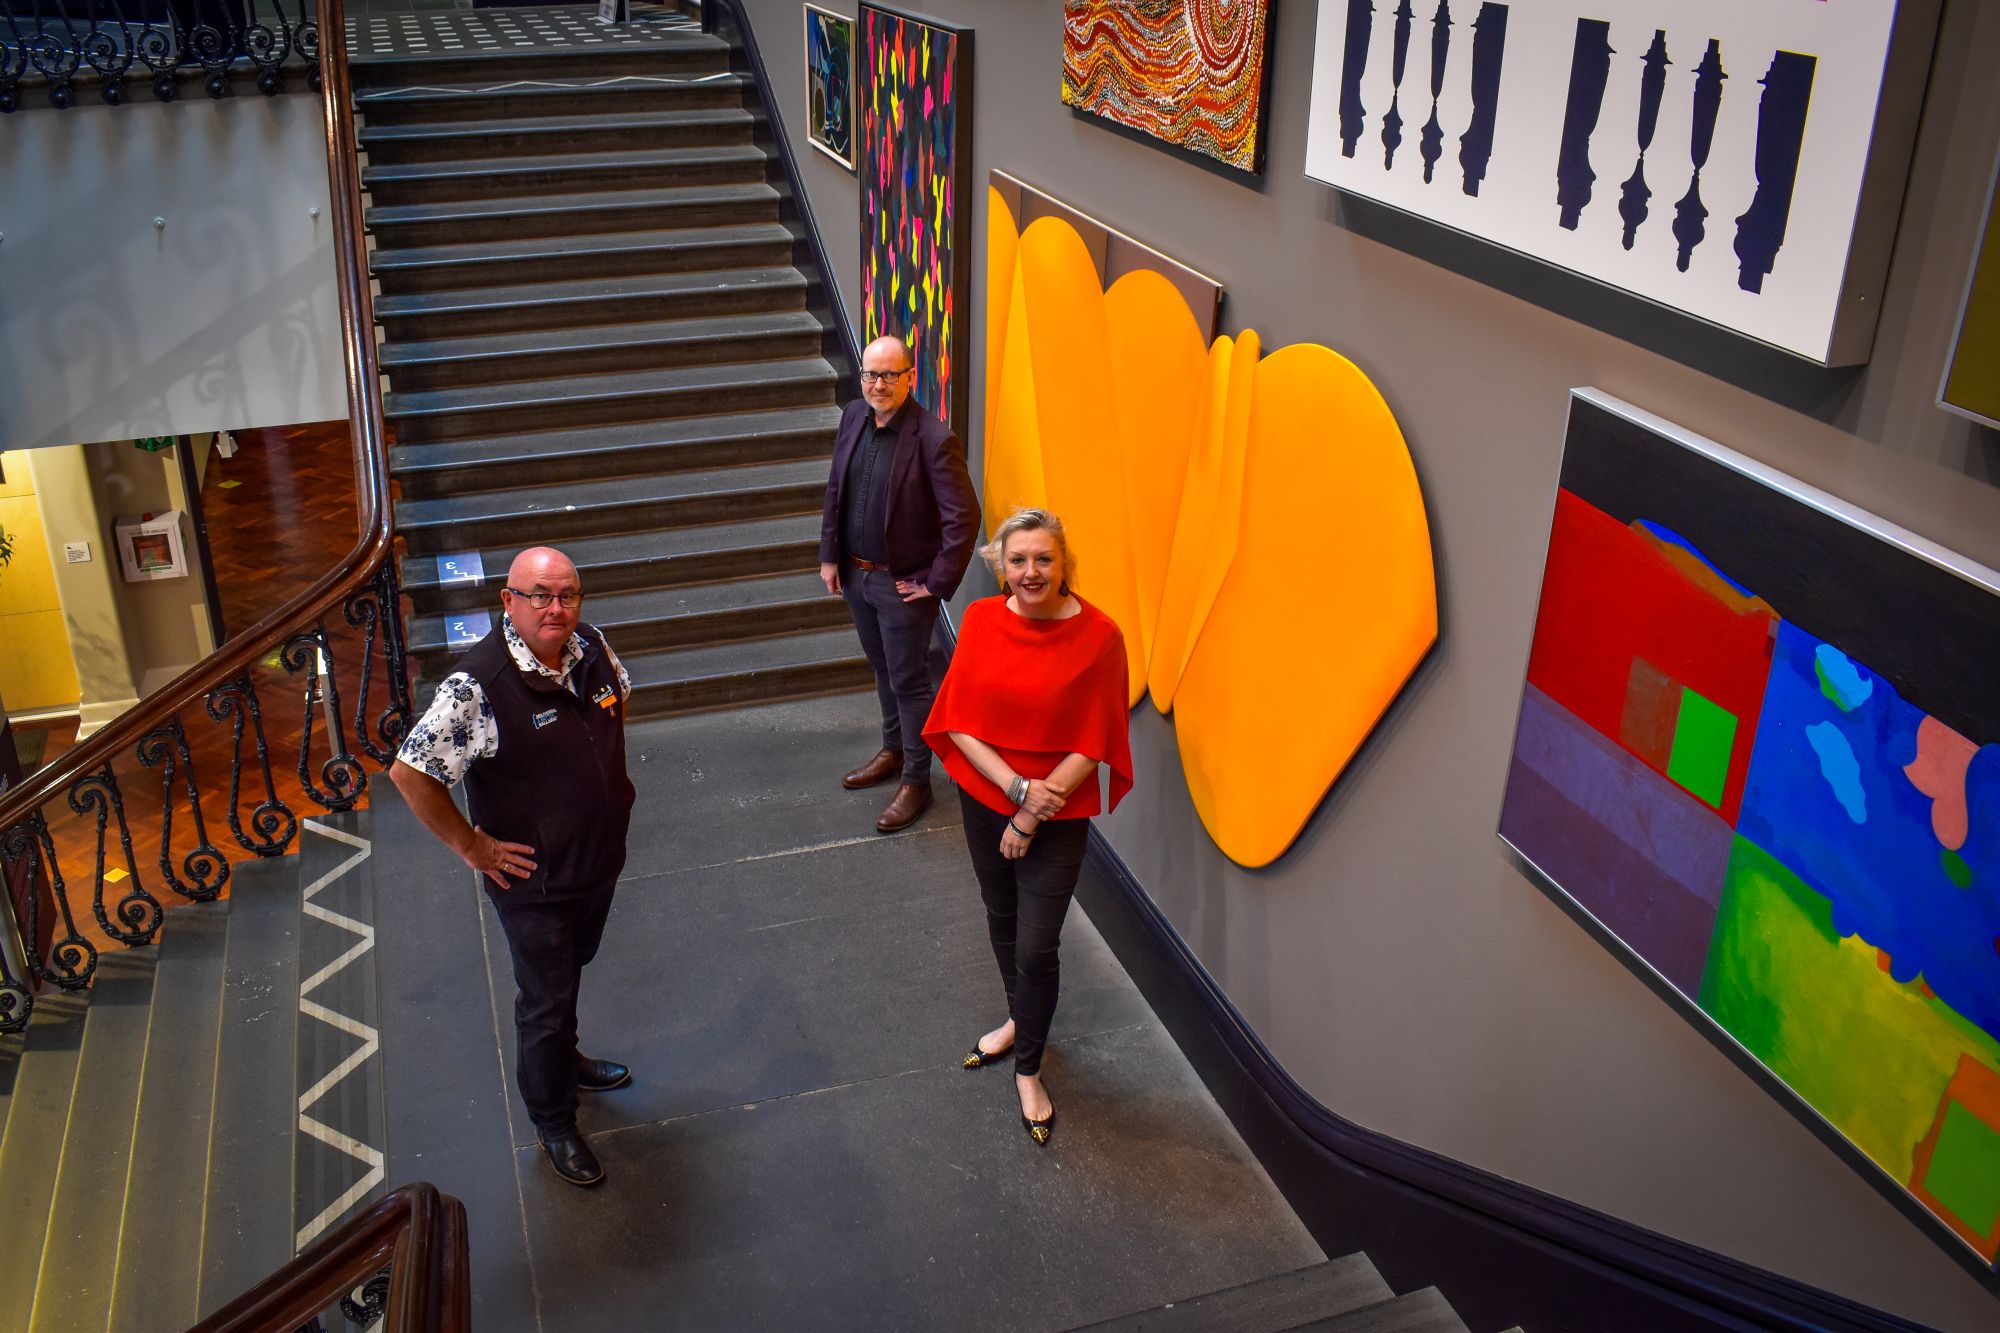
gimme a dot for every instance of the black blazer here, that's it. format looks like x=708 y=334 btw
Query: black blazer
x=933 y=514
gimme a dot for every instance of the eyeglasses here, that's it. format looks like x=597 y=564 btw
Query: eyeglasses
x=882 y=376
x=540 y=600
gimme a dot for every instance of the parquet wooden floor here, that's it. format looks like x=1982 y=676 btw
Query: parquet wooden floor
x=279 y=514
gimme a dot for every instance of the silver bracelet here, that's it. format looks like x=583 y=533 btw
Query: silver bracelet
x=1017 y=790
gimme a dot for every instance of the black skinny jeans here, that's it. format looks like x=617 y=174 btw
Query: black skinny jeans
x=1026 y=901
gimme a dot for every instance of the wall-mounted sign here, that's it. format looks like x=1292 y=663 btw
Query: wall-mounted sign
x=1740 y=163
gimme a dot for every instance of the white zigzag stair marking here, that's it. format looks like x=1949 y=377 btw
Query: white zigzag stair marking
x=370 y=1157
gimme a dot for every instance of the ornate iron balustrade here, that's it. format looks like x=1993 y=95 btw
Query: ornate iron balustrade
x=81 y=798
x=65 y=43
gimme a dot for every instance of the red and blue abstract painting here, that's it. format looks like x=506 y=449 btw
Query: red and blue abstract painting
x=916 y=221
x=1759 y=745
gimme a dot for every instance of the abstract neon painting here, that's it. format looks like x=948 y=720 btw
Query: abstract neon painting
x=1192 y=73
x=1759 y=745
x=916 y=219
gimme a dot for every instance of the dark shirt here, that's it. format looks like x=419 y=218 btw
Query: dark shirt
x=864 y=498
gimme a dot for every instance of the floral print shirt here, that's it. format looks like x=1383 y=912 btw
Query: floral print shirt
x=459 y=726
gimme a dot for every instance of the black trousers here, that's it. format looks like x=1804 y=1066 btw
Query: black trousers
x=1026 y=901
x=896 y=638
x=551 y=939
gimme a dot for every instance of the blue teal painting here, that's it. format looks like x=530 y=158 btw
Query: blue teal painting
x=830 y=84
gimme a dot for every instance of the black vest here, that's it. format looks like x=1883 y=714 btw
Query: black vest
x=557 y=782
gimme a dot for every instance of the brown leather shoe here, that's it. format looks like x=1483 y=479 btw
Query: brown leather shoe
x=903 y=808
x=885 y=765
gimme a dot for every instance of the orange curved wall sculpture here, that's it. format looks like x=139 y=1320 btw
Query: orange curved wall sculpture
x=1253 y=524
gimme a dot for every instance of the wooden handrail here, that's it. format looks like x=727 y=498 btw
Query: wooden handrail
x=415 y=1232
x=372 y=545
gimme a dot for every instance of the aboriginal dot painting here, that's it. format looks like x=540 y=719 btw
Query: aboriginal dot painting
x=916 y=162
x=1188 y=72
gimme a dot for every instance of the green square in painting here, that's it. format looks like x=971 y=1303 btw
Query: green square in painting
x=1965 y=1169
x=1703 y=737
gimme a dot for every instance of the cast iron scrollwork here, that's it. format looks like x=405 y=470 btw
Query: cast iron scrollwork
x=72 y=958
x=138 y=913
x=160 y=55
x=268 y=48
x=57 y=59
x=165 y=747
x=365 y=611
x=367 y=1303
x=17 y=1002
x=214 y=50
x=13 y=64
x=307 y=42
x=107 y=48
x=273 y=821
x=343 y=774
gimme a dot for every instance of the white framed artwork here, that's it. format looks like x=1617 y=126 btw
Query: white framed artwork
x=1741 y=163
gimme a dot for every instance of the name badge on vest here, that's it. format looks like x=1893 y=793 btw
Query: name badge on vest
x=543 y=718
x=606 y=697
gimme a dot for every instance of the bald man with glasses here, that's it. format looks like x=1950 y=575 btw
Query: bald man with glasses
x=533 y=722
x=895 y=537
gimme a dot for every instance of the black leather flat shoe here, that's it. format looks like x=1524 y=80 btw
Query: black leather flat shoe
x=978 y=1059
x=600 y=1075
x=1041 y=1131
x=573 y=1160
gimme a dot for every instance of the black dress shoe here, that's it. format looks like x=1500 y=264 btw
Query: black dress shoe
x=978 y=1059
x=600 y=1075
x=1041 y=1131
x=573 y=1160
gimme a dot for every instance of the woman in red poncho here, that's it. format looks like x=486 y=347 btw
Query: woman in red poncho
x=1034 y=702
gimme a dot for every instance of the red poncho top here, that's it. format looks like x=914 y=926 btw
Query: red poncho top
x=1037 y=691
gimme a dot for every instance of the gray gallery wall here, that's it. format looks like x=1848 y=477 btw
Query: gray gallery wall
x=1395 y=959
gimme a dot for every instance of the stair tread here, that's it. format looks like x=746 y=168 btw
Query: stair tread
x=668 y=44
x=89 y=1197
x=159 y=1267
x=1424 y=1311
x=673 y=666
x=662 y=285
x=32 y=1148
x=609 y=159
x=465 y=210
x=409 y=459
x=611 y=611
x=563 y=497
x=626 y=120
x=581 y=388
x=580 y=85
x=597 y=337
x=545 y=248
x=1267 y=1305
x=420 y=572
x=248 y=1212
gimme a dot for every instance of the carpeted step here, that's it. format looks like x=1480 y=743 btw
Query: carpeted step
x=595 y=132
x=548 y=95
x=509 y=218
x=1269 y=1305
x=159 y=1262
x=624 y=169
x=626 y=561
x=79 y=1263
x=548 y=305
x=488 y=409
x=681 y=444
x=726 y=675
x=1424 y=1311
x=31 y=1151
x=245 y=1224
x=431 y=268
x=601 y=348
x=679 y=53
x=687 y=616
x=559 y=513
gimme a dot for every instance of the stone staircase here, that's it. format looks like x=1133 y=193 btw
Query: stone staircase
x=599 y=331
x=1344 y=1295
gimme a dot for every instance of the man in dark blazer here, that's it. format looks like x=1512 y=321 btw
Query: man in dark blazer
x=895 y=537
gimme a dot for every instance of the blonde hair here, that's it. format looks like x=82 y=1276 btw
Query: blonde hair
x=1029 y=520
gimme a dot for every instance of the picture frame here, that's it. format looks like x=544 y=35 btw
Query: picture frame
x=1970 y=385
x=829 y=62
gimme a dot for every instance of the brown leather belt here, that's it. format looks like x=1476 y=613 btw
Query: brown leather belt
x=870 y=565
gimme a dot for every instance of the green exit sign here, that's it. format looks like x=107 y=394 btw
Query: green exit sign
x=152 y=444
